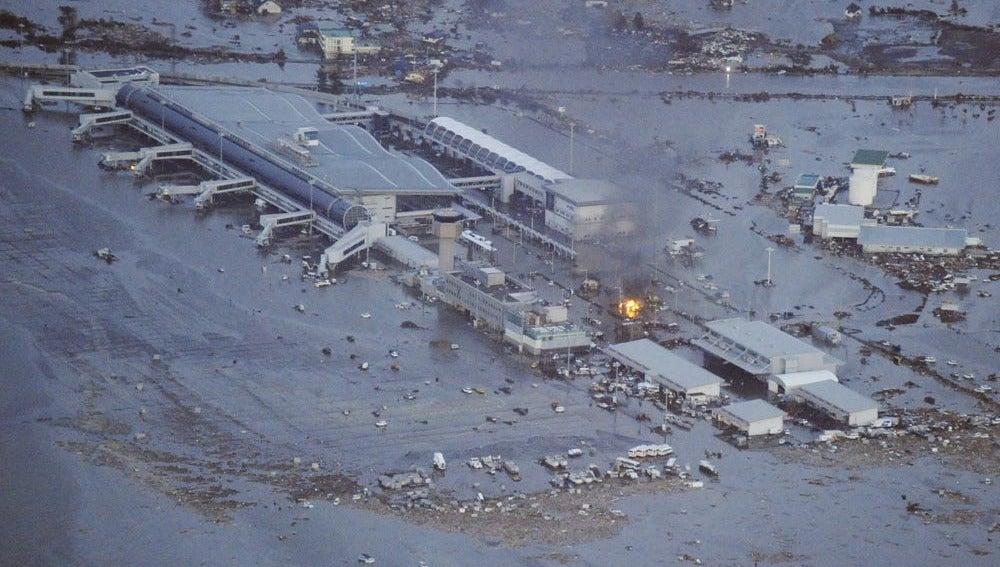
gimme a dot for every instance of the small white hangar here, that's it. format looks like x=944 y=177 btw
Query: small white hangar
x=785 y=383
x=760 y=349
x=670 y=371
x=839 y=402
x=754 y=417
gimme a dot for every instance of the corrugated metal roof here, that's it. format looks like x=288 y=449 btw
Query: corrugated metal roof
x=656 y=361
x=912 y=236
x=841 y=215
x=752 y=410
x=839 y=396
x=794 y=380
x=760 y=337
x=483 y=140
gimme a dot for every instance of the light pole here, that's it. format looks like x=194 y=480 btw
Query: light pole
x=572 y=126
x=222 y=136
x=435 y=93
x=769 y=251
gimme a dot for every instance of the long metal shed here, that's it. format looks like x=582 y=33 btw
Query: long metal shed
x=839 y=402
x=666 y=368
x=760 y=349
x=753 y=417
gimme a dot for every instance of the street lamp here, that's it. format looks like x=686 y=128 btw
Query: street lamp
x=572 y=125
x=435 y=93
x=769 y=251
x=222 y=136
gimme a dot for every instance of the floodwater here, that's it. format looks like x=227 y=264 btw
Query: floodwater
x=78 y=336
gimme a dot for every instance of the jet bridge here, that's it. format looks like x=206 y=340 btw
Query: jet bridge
x=42 y=94
x=271 y=222
x=90 y=121
x=206 y=190
x=363 y=236
x=139 y=161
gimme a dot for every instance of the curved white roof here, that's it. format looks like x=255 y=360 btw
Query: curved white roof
x=504 y=154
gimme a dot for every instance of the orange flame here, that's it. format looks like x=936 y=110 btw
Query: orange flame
x=629 y=308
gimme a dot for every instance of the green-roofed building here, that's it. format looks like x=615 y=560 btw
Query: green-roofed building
x=869 y=158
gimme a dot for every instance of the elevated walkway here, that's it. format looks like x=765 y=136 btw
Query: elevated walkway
x=90 y=121
x=350 y=117
x=481 y=182
x=206 y=190
x=44 y=94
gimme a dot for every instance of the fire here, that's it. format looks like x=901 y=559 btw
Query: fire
x=629 y=308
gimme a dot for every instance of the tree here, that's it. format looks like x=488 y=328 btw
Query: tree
x=618 y=20
x=638 y=22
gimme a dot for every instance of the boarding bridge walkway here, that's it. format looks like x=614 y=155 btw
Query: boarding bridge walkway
x=41 y=94
x=90 y=121
x=270 y=222
x=363 y=236
x=210 y=163
x=139 y=161
x=206 y=190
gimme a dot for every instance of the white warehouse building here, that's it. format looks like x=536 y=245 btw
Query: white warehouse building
x=839 y=402
x=675 y=374
x=838 y=221
x=785 y=383
x=759 y=349
x=754 y=417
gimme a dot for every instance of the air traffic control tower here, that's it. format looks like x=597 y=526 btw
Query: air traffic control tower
x=447 y=226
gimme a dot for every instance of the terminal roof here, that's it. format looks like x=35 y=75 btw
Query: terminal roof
x=348 y=157
x=465 y=135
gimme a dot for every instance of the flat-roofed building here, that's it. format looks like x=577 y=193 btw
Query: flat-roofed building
x=862 y=186
x=839 y=402
x=865 y=168
x=583 y=209
x=753 y=417
x=675 y=374
x=911 y=239
x=785 y=383
x=838 y=221
x=759 y=349
x=805 y=186
x=468 y=289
